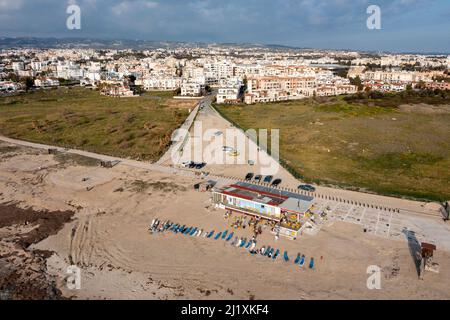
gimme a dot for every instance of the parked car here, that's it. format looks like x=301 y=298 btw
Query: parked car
x=268 y=179
x=200 y=165
x=276 y=182
x=192 y=165
x=249 y=176
x=188 y=164
x=258 y=178
x=307 y=187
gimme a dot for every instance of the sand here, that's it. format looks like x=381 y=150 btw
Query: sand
x=108 y=239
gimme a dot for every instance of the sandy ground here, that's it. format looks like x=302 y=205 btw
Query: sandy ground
x=108 y=239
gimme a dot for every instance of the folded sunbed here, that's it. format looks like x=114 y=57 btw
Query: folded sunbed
x=302 y=262
x=286 y=256
x=297 y=260
x=311 y=263
x=275 y=256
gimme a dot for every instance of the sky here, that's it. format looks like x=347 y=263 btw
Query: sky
x=406 y=25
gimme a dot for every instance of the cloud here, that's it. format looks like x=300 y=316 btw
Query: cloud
x=322 y=23
x=9 y=5
x=133 y=6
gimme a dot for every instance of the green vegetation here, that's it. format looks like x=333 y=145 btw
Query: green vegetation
x=361 y=143
x=75 y=159
x=390 y=100
x=138 y=128
x=161 y=186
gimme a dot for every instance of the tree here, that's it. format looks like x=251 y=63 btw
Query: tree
x=29 y=83
x=356 y=81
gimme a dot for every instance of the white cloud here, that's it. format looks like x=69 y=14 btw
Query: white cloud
x=6 y=5
x=130 y=5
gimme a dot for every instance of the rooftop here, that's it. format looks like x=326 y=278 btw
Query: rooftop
x=286 y=200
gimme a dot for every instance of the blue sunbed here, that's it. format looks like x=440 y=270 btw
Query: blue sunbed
x=311 y=263
x=230 y=236
x=193 y=231
x=187 y=231
x=210 y=234
x=243 y=243
x=302 y=262
x=267 y=251
x=224 y=234
x=275 y=256
x=297 y=260
x=218 y=236
x=248 y=244
x=286 y=256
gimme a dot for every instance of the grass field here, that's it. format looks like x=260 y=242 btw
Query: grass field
x=377 y=146
x=138 y=128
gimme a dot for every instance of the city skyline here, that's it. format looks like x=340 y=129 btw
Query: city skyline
x=407 y=25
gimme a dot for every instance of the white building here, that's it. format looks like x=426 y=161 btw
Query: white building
x=161 y=83
x=18 y=66
x=192 y=89
x=46 y=82
x=229 y=94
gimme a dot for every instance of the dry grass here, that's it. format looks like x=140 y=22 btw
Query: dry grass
x=380 y=149
x=138 y=128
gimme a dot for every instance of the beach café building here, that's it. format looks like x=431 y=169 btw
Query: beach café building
x=266 y=203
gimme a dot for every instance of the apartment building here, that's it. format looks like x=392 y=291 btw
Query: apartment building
x=192 y=89
x=396 y=76
x=46 y=82
x=229 y=94
x=269 y=89
x=161 y=83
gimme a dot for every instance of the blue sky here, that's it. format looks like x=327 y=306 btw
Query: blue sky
x=407 y=25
